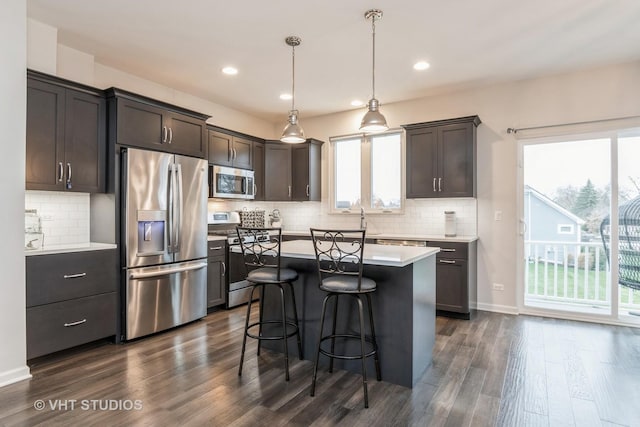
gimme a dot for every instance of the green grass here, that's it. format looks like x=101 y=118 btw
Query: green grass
x=534 y=288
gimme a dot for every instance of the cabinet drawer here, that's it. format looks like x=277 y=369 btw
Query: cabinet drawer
x=59 y=277
x=451 y=250
x=216 y=248
x=54 y=327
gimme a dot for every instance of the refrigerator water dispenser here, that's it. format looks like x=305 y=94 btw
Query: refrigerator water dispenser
x=151 y=232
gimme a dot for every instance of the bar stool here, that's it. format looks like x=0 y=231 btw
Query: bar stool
x=261 y=253
x=339 y=256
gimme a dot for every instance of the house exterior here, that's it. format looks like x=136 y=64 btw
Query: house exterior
x=547 y=223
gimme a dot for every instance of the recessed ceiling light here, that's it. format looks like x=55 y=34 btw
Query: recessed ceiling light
x=357 y=103
x=421 y=65
x=285 y=96
x=231 y=71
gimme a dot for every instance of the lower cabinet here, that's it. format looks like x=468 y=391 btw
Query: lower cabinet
x=456 y=278
x=71 y=300
x=216 y=274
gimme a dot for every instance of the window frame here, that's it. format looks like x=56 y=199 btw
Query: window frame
x=571 y=227
x=365 y=173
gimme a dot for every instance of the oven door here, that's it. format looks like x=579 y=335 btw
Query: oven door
x=231 y=183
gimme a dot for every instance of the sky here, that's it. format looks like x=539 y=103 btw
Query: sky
x=549 y=166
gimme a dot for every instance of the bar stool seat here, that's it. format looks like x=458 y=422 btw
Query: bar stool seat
x=271 y=275
x=347 y=284
x=339 y=257
x=262 y=259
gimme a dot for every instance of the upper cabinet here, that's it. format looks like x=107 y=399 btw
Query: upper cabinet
x=258 y=169
x=230 y=150
x=66 y=135
x=143 y=122
x=292 y=171
x=441 y=158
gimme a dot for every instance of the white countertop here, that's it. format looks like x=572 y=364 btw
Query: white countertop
x=77 y=247
x=439 y=238
x=211 y=238
x=393 y=256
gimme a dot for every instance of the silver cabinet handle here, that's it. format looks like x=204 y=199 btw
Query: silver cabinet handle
x=68 y=173
x=447 y=250
x=235 y=154
x=215 y=248
x=79 y=322
x=170 y=135
x=289 y=191
x=446 y=261
x=434 y=185
x=60 y=171
x=164 y=134
x=307 y=190
x=74 y=276
x=230 y=154
x=439 y=184
x=224 y=268
x=255 y=189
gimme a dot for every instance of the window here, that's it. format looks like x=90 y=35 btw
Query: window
x=565 y=228
x=367 y=172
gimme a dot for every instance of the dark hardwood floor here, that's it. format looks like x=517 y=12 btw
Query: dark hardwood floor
x=493 y=370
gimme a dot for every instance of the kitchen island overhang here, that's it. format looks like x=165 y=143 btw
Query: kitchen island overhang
x=403 y=308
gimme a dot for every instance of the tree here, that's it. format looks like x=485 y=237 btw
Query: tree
x=587 y=200
x=566 y=197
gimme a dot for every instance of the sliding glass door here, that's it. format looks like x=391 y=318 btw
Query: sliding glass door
x=574 y=258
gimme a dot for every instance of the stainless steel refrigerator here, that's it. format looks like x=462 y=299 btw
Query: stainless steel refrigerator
x=164 y=232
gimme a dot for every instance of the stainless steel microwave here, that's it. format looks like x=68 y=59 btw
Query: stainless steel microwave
x=231 y=183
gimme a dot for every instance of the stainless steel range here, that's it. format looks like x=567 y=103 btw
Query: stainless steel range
x=224 y=224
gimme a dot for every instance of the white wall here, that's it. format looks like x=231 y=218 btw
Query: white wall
x=607 y=92
x=13 y=45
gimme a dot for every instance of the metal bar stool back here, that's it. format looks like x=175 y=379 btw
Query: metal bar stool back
x=339 y=258
x=261 y=252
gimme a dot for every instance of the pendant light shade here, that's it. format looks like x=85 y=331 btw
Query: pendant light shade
x=373 y=120
x=293 y=133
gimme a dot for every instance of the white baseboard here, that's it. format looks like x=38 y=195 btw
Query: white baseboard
x=505 y=309
x=14 y=375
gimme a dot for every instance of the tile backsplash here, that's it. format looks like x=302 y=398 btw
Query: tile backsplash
x=65 y=216
x=421 y=216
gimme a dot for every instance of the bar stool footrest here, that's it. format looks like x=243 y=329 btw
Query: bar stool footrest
x=272 y=337
x=347 y=337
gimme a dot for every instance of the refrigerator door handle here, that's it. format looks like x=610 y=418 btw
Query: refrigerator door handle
x=170 y=240
x=180 y=208
x=168 y=271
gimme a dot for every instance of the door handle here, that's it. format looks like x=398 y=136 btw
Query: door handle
x=255 y=189
x=74 y=276
x=170 y=135
x=447 y=250
x=68 y=175
x=446 y=261
x=79 y=322
x=180 y=206
x=235 y=154
x=224 y=268
x=289 y=191
x=60 y=171
x=167 y=271
x=164 y=134
x=171 y=204
x=439 y=184
x=523 y=228
x=434 y=184
x=307 y=190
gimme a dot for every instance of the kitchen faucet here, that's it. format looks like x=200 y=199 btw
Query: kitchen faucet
x=363 y=223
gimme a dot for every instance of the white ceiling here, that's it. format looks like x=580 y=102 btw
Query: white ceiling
x=184 y=44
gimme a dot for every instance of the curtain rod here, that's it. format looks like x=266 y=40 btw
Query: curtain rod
x=516 y=130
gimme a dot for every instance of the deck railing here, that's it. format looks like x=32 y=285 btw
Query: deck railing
x=572 y=273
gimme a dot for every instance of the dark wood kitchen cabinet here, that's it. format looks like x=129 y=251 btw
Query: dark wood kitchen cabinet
x=138 y=121
x=258 y=169
x=71 y=300
x=65 y=135
x=441 y=158
x=230 y=150
x=456 y=278
x=293 y=171
x=216 y=273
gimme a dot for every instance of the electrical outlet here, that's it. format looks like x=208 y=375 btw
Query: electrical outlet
x=498 y=216
x=47 y=217
x=498 y=287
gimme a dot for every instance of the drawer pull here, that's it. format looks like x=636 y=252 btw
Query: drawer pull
x=447 y=250
x=215 y=248
x=446 y=261
x=74 y=276
x=79 y=322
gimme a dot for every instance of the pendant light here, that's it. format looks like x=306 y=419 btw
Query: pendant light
x=293 y=133
x=373 y=120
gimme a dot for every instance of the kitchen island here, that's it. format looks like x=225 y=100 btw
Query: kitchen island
x=403 y=308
